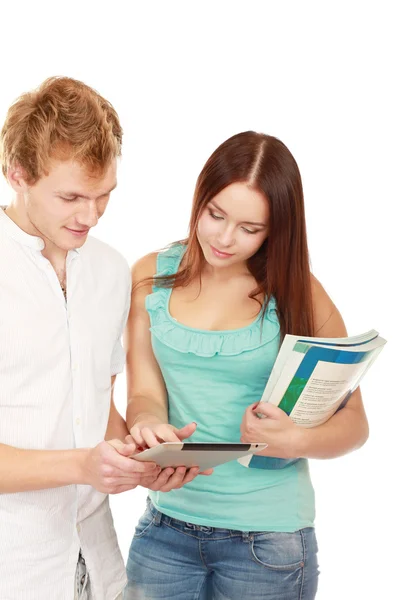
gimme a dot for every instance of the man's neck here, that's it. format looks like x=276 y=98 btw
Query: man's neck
x=16 y=212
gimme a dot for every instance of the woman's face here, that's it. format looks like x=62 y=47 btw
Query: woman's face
x=233 y=225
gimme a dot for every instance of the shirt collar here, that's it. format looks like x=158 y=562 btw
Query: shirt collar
x=19 y=235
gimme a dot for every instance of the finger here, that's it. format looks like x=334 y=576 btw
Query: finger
x=186 y=431
x=144 y=466
x=117 y=444
x=269 y=410
x=150 y=438
x=129 y=439
x=146 y=481
x=122 y=449
x=175 y=481
x=137 y=437
x=251 y=410
x=127 y=450
x=162 y=479
x=135 y=475
x=190 y=475
x=128 y=465
x=207 y=472
x=167 y=434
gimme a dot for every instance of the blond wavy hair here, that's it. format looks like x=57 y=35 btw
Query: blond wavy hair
x=62 y=119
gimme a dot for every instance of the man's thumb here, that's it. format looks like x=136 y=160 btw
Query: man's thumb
x=123 y=449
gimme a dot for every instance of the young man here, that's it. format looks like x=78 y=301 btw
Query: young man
x=64 y=300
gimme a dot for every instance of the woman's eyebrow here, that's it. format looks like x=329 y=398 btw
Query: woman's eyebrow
x=215 y=205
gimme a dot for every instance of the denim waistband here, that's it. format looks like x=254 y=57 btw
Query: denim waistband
x=200 y=530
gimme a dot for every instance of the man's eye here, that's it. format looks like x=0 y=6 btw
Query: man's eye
x=68 y=199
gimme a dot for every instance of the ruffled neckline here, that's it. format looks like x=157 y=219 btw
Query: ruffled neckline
x=203 y=342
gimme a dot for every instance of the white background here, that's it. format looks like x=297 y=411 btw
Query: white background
x=323 y=77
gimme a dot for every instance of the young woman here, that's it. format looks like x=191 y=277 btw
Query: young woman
x=207 y=319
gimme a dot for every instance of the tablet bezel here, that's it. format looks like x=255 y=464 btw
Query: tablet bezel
x=204 y=455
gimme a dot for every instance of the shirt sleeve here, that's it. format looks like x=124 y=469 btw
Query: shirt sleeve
x=119 y=355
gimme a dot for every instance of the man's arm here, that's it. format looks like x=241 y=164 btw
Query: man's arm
x=106 y=467
x=23 y=470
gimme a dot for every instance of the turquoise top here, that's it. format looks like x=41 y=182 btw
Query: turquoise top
x=211 y=377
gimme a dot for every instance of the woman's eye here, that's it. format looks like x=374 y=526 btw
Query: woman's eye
x=214 y=216
x=248 y=230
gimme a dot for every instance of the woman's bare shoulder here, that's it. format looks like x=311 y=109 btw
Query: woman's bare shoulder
x=328 y=321
x=144 y=268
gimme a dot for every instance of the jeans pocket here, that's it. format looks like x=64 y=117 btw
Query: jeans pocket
x=278 y=551
x=144 y=524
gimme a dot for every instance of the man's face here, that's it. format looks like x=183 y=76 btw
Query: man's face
x=65 y=204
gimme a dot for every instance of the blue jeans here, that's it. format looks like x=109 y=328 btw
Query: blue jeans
x=173 y=560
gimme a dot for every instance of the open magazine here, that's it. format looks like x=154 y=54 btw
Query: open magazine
x=313 y=377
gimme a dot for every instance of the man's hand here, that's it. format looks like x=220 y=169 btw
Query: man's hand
x=277 y=430
x=108 y=468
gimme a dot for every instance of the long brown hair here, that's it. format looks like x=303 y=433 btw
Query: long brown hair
x=281 y=265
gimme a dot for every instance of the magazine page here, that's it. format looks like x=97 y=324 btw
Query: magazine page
x=313 y=377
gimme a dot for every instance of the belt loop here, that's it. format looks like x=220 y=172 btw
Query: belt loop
x=157 y=518
x=246 y=536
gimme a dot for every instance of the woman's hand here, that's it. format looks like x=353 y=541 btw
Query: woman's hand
x=277 y=430
x=149 y=433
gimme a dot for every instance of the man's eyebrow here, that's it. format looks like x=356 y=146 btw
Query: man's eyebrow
x=215 y=205
x=79 y=195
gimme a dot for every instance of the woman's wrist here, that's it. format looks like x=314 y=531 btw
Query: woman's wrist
x=300 y=442
x=146 y=417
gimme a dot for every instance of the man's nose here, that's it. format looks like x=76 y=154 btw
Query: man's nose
x=88 y=216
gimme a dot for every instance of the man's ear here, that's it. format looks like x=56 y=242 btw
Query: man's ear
x=17 y=178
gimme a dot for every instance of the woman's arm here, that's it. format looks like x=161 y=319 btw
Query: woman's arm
x=147 y=411
x=116 y=426
x=147 y=398
x=347 y=430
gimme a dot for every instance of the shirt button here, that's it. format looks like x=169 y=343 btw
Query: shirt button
x=78 y=421
x=78 y=528
x=74 y=367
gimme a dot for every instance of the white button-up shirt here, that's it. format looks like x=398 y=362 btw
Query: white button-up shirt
x=56 y=362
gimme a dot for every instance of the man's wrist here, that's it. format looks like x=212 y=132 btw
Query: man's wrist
x=78 y=468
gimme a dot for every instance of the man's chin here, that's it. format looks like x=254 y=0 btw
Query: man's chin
x=70 y=242
x=76 y=240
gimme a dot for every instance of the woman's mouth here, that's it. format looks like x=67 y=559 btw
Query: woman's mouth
x=220 y=254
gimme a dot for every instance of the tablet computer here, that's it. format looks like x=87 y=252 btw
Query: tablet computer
x=202 y=455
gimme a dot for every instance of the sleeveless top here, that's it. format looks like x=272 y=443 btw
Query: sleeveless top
x=211 y=377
